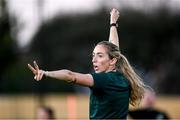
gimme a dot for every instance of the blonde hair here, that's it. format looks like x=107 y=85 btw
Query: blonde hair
x=122 y=65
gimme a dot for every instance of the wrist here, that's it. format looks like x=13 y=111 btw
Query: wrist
x=46 y=73
x=114 y=24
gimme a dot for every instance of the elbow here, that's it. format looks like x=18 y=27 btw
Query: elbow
x=70 y=76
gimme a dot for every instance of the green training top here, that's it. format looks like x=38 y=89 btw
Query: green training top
x=109 y=97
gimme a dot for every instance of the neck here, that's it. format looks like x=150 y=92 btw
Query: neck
x=111 y=68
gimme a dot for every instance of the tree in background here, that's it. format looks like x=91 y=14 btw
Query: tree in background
x=8 y=54
x=149 y=41
x=66 y=42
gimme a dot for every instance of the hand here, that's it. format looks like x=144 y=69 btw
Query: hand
x=114 y=15
x=37 y=72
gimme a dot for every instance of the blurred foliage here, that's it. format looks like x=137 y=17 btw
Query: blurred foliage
x=67 y=43
x=8 y=54
x=150 y=42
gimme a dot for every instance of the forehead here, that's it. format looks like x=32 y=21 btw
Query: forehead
x=100 y=48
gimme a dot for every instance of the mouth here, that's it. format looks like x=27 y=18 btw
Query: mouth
x=95 y=67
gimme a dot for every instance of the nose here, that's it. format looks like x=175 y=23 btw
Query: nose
x=94 y=59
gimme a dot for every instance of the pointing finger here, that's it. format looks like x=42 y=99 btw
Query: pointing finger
x=31 y=68
x=35 y=65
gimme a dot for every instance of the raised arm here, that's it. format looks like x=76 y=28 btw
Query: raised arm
x=66 y=75
x=113 y=35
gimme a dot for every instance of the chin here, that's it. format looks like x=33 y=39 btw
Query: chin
x=99 y=71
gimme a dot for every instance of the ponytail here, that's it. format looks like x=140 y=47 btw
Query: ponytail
x=137 y=85
x=122 y=65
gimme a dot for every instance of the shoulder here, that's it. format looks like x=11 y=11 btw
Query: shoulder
x=106 y=76
x=99 y=75
x=102 y=80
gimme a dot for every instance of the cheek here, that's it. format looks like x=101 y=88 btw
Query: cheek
x=104 y=63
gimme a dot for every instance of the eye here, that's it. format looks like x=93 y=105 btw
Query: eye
x=99 y=55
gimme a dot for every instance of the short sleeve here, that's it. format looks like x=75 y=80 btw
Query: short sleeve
x=99 y=80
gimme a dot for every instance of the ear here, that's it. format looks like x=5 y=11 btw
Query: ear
x=113 y=61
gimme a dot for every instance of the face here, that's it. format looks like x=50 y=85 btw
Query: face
x=101 y=61
x=148 y=100
x=42 y=114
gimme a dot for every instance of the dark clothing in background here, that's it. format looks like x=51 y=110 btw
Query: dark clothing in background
x=148 y=114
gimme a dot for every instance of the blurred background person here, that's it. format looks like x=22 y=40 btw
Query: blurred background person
x=148 y=109
x=45 y=113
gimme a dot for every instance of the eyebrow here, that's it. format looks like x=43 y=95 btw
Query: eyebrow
x=98 y=53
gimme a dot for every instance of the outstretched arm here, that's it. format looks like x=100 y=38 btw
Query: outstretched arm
x=113 y=35
x=66 y=75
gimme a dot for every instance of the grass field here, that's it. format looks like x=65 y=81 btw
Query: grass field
x=67 y=106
